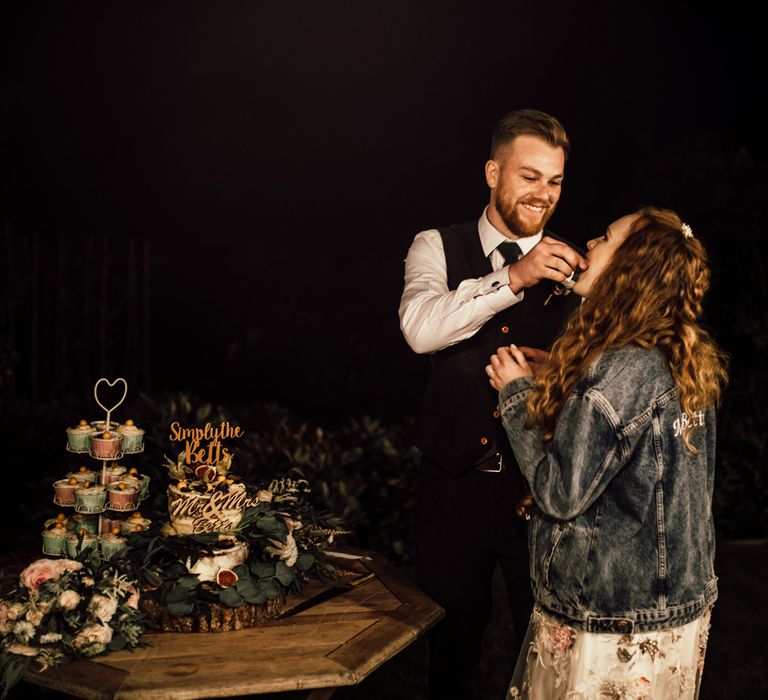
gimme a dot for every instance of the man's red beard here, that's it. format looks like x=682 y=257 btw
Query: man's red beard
x=512 y=220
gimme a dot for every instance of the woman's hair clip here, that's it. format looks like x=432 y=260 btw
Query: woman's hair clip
x=687 y=231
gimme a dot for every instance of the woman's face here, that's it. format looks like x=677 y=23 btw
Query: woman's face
x=600 y=252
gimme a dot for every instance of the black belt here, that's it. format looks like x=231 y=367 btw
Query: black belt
x=492 y=465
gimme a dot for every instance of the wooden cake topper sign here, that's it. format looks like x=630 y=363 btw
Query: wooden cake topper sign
x=203 y=445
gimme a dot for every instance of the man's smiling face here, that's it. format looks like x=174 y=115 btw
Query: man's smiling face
x=525 y=180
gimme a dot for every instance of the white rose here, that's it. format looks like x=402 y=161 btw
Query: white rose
x=16 y=610
x=88 y=581
x=24 y=631
x=34 y=616
x=22 y=649
x=68 y=600
x=93 y=635
x=103 y=607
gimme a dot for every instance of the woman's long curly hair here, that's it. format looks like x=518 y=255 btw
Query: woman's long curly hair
x=650 y=294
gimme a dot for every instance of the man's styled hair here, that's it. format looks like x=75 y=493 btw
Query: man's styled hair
x=528 y=122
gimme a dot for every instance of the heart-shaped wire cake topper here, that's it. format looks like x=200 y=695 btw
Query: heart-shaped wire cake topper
x=110 y=384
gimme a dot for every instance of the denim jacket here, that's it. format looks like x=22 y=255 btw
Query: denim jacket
x=622 y=539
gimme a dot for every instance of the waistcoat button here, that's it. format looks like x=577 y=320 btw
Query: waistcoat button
x=483 y=440
x=505 y=329
x=495 y=414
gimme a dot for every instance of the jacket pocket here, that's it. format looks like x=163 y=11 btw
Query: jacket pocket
x=557 y=536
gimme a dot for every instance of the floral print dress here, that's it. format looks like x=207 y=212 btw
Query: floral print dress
x=559 y=662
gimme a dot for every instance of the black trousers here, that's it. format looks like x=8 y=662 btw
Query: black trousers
x=464 y=526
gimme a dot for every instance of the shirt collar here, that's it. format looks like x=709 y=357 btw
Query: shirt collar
x=490 y=236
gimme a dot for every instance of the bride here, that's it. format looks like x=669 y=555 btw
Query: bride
x=615 y=435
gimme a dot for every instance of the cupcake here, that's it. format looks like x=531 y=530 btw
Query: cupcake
x=89 y=523
x=78 y=438
x=106 y=445
x=112 y=473
x=72 y=545
x=110 y=521
x=84 y=474
x=55 y=540
x=134 y=523
x=61 y=520
x=112 y=545
x=65 y=491
x=123 y=495
x=100 y=426
x=90 y=499
x=133 y=437
x=143 y=481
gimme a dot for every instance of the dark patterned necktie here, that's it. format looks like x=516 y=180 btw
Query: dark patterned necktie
x=510 y=250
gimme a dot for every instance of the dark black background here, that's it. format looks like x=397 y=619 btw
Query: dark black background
x=278 y=159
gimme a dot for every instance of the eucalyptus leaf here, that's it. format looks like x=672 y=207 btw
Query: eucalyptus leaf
x=118 y=642
x=189 y=582
x=284 y=573
x=263 y=569
x=177 y=594
x=305 y=561
x=255 y=598
x=181 y=609
x=269 y=587
x=230 y=597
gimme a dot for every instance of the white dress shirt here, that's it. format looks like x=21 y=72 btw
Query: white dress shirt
x=432 y=317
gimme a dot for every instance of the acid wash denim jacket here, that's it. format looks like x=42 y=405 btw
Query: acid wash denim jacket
x=622 y=539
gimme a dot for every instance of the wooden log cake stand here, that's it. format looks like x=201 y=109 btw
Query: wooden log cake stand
x=335 y=643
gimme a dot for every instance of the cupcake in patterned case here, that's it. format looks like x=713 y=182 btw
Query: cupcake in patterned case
x=61 y=520
x=143 y=481
x=134 y=523
x=113 y=473
x=110 y=521
x=133 y=437
x=112 y=545
x=72 y=543
x=89 y=523
x=79 y=437
x=55 y=540
x=65 y=491
x=84 y=474
x=106 y=445
x=123 y=495
x=90 y=498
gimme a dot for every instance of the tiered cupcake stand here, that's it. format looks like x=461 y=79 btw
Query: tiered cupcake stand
x=96 y=505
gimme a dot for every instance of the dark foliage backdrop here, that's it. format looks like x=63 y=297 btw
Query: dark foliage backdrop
x=217 y=199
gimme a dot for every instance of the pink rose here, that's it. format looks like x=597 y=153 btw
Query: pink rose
x=38 y=572
x=69 y=565
x=68 y=600
x=133 y=599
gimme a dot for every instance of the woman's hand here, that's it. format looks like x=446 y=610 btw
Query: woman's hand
x=507 y=364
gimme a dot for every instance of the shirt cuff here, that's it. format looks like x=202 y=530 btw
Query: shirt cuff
x=497 y=293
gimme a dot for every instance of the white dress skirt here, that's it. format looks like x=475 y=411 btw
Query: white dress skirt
x=558 y=662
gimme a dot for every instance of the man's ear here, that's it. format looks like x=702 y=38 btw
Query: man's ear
x=492 y=174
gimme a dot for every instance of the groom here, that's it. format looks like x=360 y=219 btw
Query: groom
x=469 y=289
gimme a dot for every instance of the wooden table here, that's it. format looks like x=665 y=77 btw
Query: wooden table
x=336 y=643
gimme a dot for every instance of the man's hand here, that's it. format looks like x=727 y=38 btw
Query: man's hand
x=549 y=259
x=536 y=357
x=507 y=364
